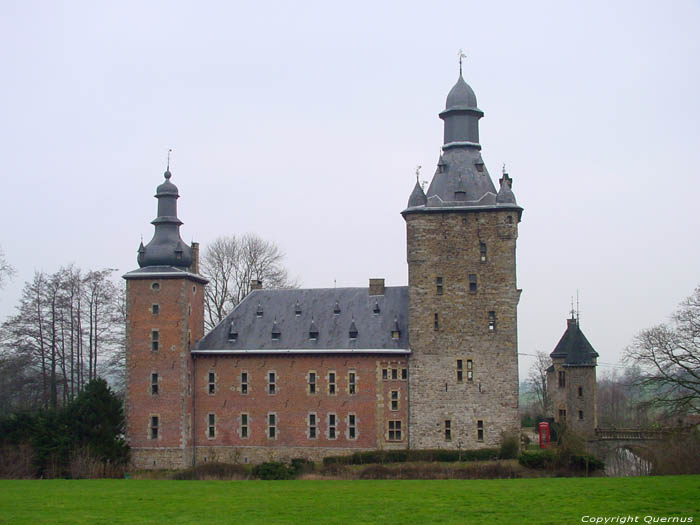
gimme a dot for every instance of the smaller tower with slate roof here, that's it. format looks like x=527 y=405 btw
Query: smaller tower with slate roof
x=571 y=381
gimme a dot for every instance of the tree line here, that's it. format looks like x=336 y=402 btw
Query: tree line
x=68 y=329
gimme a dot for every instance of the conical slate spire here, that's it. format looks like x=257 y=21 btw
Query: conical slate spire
x=167 y=247
x=417 y=197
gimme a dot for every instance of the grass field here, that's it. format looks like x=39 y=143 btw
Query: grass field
x=550 y=500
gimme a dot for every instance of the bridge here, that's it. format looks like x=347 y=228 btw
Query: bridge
x=629 y=450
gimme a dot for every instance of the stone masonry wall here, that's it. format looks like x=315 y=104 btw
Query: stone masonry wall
x=447 y=246
x=581 y=405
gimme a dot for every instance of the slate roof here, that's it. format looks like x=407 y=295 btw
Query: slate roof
x=574 y=347
x=163 y=272
x=253 y=332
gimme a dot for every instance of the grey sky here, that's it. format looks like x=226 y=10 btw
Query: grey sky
x=304 y=121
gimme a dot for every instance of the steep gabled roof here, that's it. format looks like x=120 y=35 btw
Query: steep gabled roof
x=253 y=319
x=574 y=347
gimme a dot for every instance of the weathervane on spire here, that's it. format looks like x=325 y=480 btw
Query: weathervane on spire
x=461 y=55
x=418 y=168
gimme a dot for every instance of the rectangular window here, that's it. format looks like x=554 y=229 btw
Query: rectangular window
x=580 y=391
x=460 y=371
x=438 y=285
x=244 y=383
x=394 y=399
x=436 y=322
x=271 y=426
x=394 y=374
x=352 y=427
x=404 y=374
x=492 y=321
x=155 y=339
x=312 y=426
x=448 y=430
x=352 y=383
x=271 y=383
x=154 y=384
x=385 y=374
x=212 y=383
x=580 y=415
x=394 y=430
x=155 y=309
x=482 y=251
x=312 y=382
x=331 y=426
x=470 y=370
x=472 y=282
x=211 y=432
x=562 y=379
x=480 y=430
x=154 y=427
x=562 y=415
x=331 y=383
x=244 y=426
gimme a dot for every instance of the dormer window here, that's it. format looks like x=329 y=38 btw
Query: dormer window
x=276 y=331
x=353 y=331
x=460 y=195
x=259 y=311
x=313 y=331
x=232 y=334
x=479 y=166
x=395 y=332
x=297 y=309
x=376 y=308
x=336 y=308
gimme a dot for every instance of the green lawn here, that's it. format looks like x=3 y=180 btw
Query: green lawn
x=548 y=500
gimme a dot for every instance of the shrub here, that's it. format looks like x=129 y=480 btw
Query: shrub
x=579 y=462
x=510 y=448
x=376 y=472
x=273 y=470
x=214 y=471
x=335 y=469
x=539 y=459
x=402 y=456
x=302 y=466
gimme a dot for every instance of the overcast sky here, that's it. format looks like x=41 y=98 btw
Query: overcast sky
x=304 y=121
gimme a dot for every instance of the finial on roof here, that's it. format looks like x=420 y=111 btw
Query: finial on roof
x=461 y=55
x=418 y=168
x=503 y=170
x=167 y=169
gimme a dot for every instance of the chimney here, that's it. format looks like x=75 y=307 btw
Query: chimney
x=195 y=258
x=255 y=284
x=376 y=286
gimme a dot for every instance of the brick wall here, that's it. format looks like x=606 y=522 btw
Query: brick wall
x=178 y=321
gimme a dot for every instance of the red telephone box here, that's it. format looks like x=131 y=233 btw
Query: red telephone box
x=543 y=429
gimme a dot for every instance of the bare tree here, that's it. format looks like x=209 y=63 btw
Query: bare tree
x=537 y=380
x=230 y=264
x=6 y=269
x=669 y=356
x=57 y=316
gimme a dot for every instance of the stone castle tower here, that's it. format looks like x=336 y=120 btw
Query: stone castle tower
x=165 y=305
x=571 y=381
x=463 y=295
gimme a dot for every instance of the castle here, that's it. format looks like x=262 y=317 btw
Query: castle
x=317 y=372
